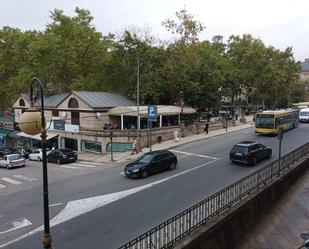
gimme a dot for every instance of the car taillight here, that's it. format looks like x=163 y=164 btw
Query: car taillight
x=247 y=154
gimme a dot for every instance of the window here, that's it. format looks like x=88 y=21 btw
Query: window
x=91 y=146
x=73 y=103
x=55 y=113
x=21 y=102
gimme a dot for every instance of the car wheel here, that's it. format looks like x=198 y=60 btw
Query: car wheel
x=40 y=159
x=59 y=161
x=8 y=167
x=269 y=155
x=30 y=158
x=254 y=161
x=145 y=174
x=172 y=166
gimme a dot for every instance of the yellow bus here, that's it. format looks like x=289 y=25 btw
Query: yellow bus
x=300 y=105
x=268 y=122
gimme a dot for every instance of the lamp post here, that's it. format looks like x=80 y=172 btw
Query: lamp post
x=32 y=122
x=137 y=102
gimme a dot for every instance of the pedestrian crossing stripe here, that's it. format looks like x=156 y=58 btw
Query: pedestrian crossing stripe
x=71 y=167
x=9 y=180
x=26 y=178
x=83 y=165
x=2 y=186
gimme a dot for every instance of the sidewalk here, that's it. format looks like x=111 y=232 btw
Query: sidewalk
x=282 y=226
x=121 y=157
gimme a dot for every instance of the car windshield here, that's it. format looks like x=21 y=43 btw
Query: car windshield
x=146 y=158
x=65 y=150
x=240 y=149
x=304 y=114
x=14 y=157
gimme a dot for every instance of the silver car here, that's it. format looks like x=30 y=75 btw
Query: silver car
x=12 y=160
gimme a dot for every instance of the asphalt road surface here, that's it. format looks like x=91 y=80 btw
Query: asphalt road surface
x=95 y=207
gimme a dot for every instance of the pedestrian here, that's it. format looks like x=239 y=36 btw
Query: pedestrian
x=176 y=136
x=236 y=116
x=206 y=127
x=134 y=146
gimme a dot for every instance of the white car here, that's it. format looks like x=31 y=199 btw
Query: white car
x=12 y=160
x=37 y=154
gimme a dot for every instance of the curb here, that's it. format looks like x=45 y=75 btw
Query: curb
x=128 y=159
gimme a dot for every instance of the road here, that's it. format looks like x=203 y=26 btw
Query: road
x=97 y=207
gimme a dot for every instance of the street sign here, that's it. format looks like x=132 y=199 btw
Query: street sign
x=152 y=113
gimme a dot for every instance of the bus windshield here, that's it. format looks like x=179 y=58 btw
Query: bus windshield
x=264 y=121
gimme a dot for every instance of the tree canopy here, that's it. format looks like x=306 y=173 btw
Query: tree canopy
x=70 y=54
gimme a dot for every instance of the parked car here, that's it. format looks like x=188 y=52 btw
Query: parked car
x=12 y=160
x=62 y=156
x=38 y=154
x=151 y=163
x=7 y=151
x=249 y=152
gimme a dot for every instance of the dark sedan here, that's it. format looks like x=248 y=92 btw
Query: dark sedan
x=62 y=156
x=151 y=163
x=250 y=153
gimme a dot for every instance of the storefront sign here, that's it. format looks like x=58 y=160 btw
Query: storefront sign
x=59 y=125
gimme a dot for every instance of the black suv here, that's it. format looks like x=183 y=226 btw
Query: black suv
x=62 y=156
x=151 y=163
x=249 y=152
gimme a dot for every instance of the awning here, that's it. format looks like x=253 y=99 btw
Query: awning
x=36 y=137
x=13 y=134
x=4 y=132
x=165 y=110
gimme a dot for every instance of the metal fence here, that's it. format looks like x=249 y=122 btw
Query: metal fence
x=172 y=230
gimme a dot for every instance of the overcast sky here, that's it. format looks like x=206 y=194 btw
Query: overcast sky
x=278 y=23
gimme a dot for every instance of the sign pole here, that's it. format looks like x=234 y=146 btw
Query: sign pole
x=280 y=136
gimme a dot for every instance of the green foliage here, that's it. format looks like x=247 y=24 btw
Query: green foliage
x=201 y=74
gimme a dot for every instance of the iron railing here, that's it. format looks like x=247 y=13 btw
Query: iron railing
x=172 y=230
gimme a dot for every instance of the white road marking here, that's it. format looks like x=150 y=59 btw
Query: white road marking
x=71 y=167
x=192 y=154
x=56 y=204
x=27 y=178
x=20 y=223
x=76 y=208
x=83 y=165
x=2 y=186
x=9 y=180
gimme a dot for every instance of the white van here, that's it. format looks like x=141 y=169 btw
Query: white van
x=304 y=115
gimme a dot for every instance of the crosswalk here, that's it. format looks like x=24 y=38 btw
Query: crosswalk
x=18 y=179
x=80 y=165
x=15 y=180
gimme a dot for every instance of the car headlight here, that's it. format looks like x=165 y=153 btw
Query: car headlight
x=135 y=170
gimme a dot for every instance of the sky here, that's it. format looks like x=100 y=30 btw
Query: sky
x=278 y=23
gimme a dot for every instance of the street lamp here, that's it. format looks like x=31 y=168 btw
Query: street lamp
x=32 y=122
x=137 y=102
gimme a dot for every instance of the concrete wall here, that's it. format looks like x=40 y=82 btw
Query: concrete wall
x=226 y=231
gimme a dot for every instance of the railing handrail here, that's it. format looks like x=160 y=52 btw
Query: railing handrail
x=170 y=231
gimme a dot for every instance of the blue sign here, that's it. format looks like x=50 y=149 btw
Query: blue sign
x=152 y=112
